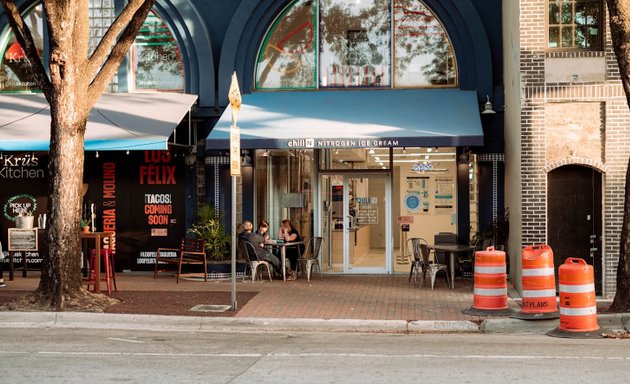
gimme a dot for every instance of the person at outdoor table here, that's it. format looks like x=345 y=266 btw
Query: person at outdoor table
x=288 y=233
x=258 y=242
x=263 y=230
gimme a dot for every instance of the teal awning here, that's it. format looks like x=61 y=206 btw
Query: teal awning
x=118 y=121
x=354 y=118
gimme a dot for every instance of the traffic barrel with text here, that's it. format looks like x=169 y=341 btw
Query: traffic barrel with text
x=490 y=285
x=578 y=308
x=538 y=284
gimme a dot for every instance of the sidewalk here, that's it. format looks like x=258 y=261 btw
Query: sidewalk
x=341 y=303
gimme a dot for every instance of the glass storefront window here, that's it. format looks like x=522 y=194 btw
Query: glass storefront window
x=287 y=57
x=355 y=43
x=424 y=55
x=15 y=69
x=155 y=58
x=283 y=189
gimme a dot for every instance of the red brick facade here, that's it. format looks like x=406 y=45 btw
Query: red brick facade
x=608 y=154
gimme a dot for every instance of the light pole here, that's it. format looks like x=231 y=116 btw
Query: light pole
x=234 y=95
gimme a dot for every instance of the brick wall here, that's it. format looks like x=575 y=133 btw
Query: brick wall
x=609 y=155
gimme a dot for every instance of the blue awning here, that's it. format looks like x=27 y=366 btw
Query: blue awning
x=354 y=119
x=118 y=121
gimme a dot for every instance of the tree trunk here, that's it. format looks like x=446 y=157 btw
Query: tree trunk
x=622 y=296
x=619 y=15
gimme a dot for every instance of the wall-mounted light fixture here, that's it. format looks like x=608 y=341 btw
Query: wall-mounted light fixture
x=266 y=153
x=487 y=107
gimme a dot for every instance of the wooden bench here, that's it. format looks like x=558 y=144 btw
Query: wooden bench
x=190 y=251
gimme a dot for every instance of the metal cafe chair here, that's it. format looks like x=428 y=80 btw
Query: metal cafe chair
x=310 y=257
x=432 y=266
x=413 y=245
x=252 y=261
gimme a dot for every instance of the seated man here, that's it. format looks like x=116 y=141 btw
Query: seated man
x=258 y=242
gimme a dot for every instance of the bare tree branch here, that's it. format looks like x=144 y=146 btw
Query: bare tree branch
x=108 y=41
x=25 y=39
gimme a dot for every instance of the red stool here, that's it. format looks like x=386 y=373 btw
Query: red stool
x=108 y=262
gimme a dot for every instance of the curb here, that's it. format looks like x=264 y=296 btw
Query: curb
x=110 y=321
x=614 y=322
x=87 y=320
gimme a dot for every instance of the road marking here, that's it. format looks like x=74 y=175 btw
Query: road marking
x=327 y=355
x=125 y=340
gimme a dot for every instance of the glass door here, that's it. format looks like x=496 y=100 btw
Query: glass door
x=356 y=223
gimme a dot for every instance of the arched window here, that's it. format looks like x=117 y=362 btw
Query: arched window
x=156 y=62
x=358 y=42
x=15 y=69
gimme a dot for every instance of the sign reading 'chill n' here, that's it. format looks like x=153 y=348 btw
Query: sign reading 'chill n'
x=341 y=143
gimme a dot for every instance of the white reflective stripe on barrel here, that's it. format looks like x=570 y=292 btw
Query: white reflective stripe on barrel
x=578 y=311
x=538 y=293
x=490 y=292
x=490 y=270
x=537 y=271
x=582 y=288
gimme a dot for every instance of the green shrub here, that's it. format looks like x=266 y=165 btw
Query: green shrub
x=209 y=227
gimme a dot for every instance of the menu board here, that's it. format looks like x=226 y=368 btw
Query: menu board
x=22 y=239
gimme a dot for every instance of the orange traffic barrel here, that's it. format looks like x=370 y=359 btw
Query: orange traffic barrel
x=490 y=284
x=538 y=284
x=578 y=309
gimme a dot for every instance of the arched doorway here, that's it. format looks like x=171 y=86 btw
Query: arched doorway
x=574 y=216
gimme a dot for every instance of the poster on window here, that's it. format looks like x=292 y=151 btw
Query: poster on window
x=444 y=191
x=140 y=197
x=24 y=181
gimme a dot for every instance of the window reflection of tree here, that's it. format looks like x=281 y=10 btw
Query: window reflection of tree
x=15 y=66
x=353 y=38
x=159 y=64
x=289 y=50
x=341 y=22
x=418 y=33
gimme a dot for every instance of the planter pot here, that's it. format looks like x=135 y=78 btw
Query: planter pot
x=223 y=269
x=86 y=229
x=24 y=222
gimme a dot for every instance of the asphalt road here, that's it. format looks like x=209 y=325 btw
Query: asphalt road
x=112 y=356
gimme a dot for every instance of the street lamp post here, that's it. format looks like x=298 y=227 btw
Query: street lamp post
x=234 y=95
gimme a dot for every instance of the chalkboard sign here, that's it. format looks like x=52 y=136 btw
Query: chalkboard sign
x=22 y=239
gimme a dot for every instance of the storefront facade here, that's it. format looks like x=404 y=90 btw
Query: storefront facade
x=359 y=118
x=367 y=133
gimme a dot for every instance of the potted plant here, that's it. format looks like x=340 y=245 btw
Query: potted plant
x=85 y=224
x=209 y=227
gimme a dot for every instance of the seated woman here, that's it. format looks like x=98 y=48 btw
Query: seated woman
x=288 y=233
x=258 y=242
x=263 y=230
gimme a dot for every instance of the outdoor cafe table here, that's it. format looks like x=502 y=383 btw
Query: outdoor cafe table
x=451 y=250
x=283 y=252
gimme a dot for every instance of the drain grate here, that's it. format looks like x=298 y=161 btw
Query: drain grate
x=210 y=308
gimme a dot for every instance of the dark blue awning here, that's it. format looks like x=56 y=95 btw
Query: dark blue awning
x=354 y=118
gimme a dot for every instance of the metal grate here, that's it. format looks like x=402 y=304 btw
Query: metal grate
x=210 y=308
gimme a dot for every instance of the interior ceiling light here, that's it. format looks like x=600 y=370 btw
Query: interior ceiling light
x=371 y=151
x=266 y=153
